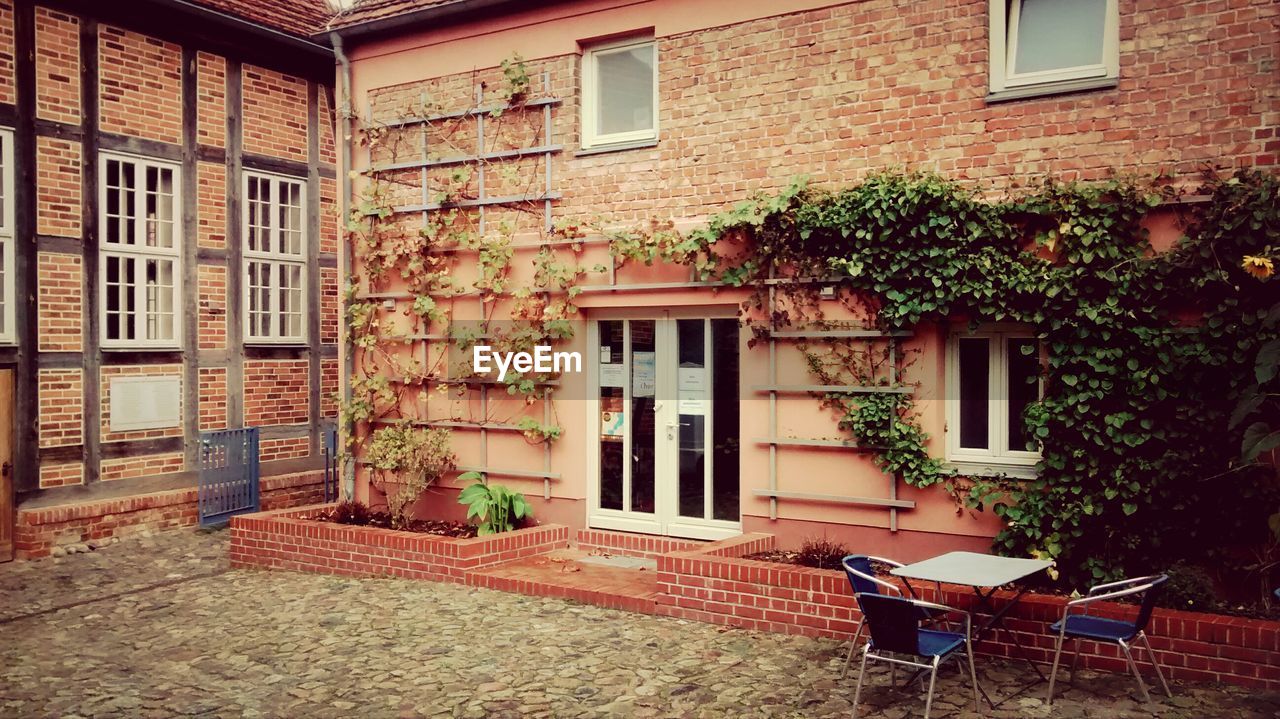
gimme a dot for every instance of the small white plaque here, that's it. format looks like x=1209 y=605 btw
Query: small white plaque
x=145 y=402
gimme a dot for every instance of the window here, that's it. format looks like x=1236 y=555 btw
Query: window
x=275 y=257
x=1044 y=46
x=140 y=252
x=620 y=94
x=992 y=376
x=7 y=295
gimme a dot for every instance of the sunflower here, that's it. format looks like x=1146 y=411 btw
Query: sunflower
x=1260 y=267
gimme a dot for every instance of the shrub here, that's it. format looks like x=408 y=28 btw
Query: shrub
x=1189 y=588
x=821 y=553
x=412 y=459
x=351 y=511
x=493 y=506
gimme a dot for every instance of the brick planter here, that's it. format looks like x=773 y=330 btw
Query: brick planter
x=289 y=540
x=714 y=584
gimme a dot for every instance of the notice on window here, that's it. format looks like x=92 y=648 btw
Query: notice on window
x=693 y=379
x=612 y=424
x=606 y=354
x=612 y=375
x=644 y=374
x=692 y=403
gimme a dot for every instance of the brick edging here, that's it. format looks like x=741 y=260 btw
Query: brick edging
x=289 y=540
x=715 y=584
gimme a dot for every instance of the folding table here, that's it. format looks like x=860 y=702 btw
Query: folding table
x=982 y=572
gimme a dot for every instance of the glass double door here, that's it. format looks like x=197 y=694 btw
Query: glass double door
x=667 y=406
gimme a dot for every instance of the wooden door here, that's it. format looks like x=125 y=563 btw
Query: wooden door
x=6 y=465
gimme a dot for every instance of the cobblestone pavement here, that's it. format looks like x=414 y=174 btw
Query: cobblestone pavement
x=141 y=629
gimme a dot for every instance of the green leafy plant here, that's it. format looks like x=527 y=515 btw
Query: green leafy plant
x=493 y=507
x=407 y=460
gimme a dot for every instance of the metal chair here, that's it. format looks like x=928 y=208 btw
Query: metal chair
x=863 y=580
x=897 y=638
x=1113 y=631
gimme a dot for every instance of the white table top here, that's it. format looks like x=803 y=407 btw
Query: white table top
x=972 y=569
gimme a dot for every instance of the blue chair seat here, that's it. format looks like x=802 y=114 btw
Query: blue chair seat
x=1087 y=627
x=936 y=644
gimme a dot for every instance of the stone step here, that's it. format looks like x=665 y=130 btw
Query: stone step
x=595 y=578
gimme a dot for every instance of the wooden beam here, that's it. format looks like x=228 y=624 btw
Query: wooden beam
x=313 y=266
x=235 y=297
x=90 y=340
x=190 y=264
x=27 y=401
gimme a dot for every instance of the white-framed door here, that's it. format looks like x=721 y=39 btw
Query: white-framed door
x=664 y=395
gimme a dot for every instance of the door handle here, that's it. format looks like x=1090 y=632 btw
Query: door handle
x=671 y=428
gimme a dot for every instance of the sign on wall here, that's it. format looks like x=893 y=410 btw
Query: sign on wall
x=145 y=402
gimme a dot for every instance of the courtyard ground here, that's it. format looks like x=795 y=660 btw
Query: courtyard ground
x=159 y=626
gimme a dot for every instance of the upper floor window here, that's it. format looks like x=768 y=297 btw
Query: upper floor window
x=7 y=295
x=140 y=252
x=275 y=258
x=620 y=93
x=1042 y=46
x=992 y=377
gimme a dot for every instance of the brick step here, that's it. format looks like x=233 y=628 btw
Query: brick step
x=633 y=545
x=574 y=574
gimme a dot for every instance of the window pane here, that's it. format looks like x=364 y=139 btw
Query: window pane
x=643 y=429
x=290 y=218
x=725 y=433
x=624 y=86
x=290 y=301
x=159 y=300
x=691 y=389
x=611 y=426
x=1024 y=388
x=1057 y=34
x=975 y=359
x=259 y=299
x=259 y=201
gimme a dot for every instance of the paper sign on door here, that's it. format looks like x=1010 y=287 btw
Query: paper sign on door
x=612 y=375
x=693 y=379
x=644 y=381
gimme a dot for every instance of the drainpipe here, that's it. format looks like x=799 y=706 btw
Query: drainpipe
x=344 y=207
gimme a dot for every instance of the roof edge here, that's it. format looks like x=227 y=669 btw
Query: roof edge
x=442 y=12
x=315 y=43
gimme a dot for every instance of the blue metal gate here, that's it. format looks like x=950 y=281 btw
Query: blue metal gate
x=228 y=474
x=331 y=465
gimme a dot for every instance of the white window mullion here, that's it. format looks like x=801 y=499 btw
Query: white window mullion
x=273 y=257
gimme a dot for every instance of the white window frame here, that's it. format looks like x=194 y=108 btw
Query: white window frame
x=139 y=252
x=278 y=261
x=998 y=458
x=1003 y=43
x=9 y=334
x=591 y=138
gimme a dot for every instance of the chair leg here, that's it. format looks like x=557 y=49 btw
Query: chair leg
x=1075 y=659
x=1146 y=642
x=852 y=648
x=1053 y=673
x=973 y=678
x=1142 y=686
x=862 y=672
x=933 y=677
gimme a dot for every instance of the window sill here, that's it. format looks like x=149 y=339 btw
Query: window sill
x=1052 y=88
x=142 y=348
x=281 y=344
x=994 y=469
x=616 y=147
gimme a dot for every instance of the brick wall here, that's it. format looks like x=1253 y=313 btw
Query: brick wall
x=8 y=92
x=329 y=305
x=836 y=92
x=287 y=540
x=276 y=392
x=330 y=387
x=63 y=474
x=275 y=114
x=211 y=194
x=213 y=398
x=283 y=448
x=213 y=306
x=61 y=394
x=38 y=531
x=57 y=187
x=211 y=99
x=140 y=466
x=60 y=302
x=57 y=66
x=140 y=85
